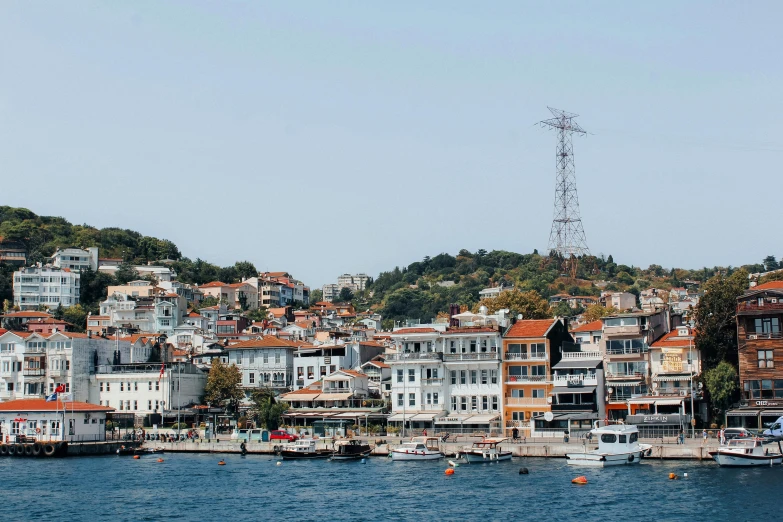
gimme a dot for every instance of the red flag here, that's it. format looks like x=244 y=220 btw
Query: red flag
x=60 y=389
x=162 y=369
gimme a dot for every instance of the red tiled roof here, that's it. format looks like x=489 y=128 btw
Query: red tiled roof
x=402 y=331
x=772 y=285
x=2 y=331
x=595 y=326
x=29 y=405
x=22 y=334
x=673 y=340
x=530 y=328
x=379 y=364
x=354 y=373
x=194 y=314
x=370 y=343
x=213 y=284
x=270 y=341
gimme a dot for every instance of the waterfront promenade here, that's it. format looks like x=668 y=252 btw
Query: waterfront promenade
x=693 y=449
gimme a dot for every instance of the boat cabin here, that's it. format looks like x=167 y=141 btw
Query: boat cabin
x=302 y=446
x=421 y=444
x=488 y=444
x=616 y=438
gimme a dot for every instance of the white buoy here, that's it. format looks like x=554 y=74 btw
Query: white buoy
x=684 y=474
x=453 y=464
x=279 y=463
x=364 y=461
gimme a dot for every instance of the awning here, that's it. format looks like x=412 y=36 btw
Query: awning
x=624 y=383
x=670 y=378
x=349 y=414
x=334 y=396
x=579 y=363
x=655 y=400
x=307 y=415
x=571 y=416
x=482 y=419
x=425 y=416
x=299 y=396
x=574 y=389
x=454 y=419
x=398 y=417
x=742 y=413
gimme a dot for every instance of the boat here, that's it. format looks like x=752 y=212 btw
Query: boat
x=303 y=449
x=618 y=444
x=743 y=452
x=138 y=450
x=351 y=450
x=487 y=450
x=418 y=448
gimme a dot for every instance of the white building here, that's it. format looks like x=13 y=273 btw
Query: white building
x=161 y=273
x=46 y=285
x=313 y=363
x=160 y=313
x=76 y=258
x=590 y=336
x=356 y=283
x=267 y=362
x=620 y=300
x=141 y=389
x=52 y=421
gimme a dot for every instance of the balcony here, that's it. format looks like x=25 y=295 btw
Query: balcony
x=627 y=351
x=524 y=356
x=34 y=372
x=576 y=380
x=635 y=376
x=468 y=357
x=526 y=401
x=586 y=355
x=524 y=379
x=414 y=357
x=622 y=330
x=753 y=308
x=432 y=382
x=763 y=335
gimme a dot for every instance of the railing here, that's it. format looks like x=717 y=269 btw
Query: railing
x=517 y=424
x=414 y=356
x=753 y=306
x=582 y=355
x=621 y=330
x=627 y=351
x=657 y=369
x=432 y=382
x=517 y=379
x=526 y=401
x=475 y=356
x=34 y=372
x=524 y=356
x=764 y=335
x=576 y=380
x=625 y=375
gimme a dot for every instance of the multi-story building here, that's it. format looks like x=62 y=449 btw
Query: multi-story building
x=530 y=348
x=138 y=288
x=160 y=313
x=619 y=300
x=50 y=286
x=266 y=362
x=589 y=336
x=212 y=315
x=76 y=259
x=141 y=389
x=330 y=291
x=236 y=295
x=160 y=273
x=12 y=252
x=578 y=395
x=627 y=339
x=378 y=376
x=313 y=363
x=760 y=348
x=356 y=283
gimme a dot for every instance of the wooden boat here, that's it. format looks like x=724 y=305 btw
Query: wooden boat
x=351 y=450
x=745 y=452
x=303 y=449
x=618 y=445
x=419 y=448
x=487 y=450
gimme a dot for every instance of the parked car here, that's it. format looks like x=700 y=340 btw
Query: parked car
x=282 y=435
x=736 y=433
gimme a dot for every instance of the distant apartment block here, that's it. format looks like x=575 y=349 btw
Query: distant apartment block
x=356 y=283
x=46 y=285
x=76 y=258
x=12 y=252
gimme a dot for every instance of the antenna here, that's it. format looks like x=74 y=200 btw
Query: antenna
x=567 y=236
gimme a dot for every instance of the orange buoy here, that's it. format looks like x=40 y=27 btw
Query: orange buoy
x=580 y=480
x=222 y=463
x=673 y=476
x=136 y=457
x=450 y=471
x=160 y=460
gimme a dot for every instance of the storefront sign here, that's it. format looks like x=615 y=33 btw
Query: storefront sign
x=767 y=403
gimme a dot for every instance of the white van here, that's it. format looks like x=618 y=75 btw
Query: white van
x=775 y=429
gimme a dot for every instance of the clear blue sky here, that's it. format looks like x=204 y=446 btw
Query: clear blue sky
x=331 y=137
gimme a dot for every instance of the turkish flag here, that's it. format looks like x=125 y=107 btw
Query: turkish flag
x=60 y=389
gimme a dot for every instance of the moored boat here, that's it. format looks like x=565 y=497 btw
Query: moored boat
x=418 y=448
x=487 y=450
x=351 y=450
x=302 y=449
x=745 y=452
x=618 y=445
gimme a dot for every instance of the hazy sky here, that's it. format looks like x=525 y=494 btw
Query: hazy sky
x=330 y=137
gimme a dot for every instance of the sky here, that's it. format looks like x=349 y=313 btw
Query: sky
x=322 y=138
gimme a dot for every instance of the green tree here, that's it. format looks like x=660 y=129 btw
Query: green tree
x=770 y=263
x=59 y=312
x=316 y=296
x=223 y=385
x=345 y=295
x=562 y=309
x=245 y=269
x=77 y=316
x=721 y=383
x=125 y=273
x=716 y=318
x=596 y=311
x=266 y=411
x=258 y=314
x=208 y=301
x=530 y=304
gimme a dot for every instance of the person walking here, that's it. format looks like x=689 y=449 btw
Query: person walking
x=704 y=436
x=722 y=436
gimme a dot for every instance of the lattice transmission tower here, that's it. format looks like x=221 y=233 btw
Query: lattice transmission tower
x=567 y=236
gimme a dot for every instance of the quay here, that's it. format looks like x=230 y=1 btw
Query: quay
x=691 y=450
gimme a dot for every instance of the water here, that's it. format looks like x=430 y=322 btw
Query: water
x=194 y=487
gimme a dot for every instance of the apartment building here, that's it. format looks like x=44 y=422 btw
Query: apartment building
x=266 y=362
x=76 y=259
x=48 y=285
x=313 y=363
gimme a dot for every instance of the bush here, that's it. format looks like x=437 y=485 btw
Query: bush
x=180 y=426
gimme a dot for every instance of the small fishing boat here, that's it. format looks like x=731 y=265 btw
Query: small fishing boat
x=743 y=452
x=487 y=450
x=303 y=449
x=419 y=448
x=618 y=444
x=138 y=450
x=351 y=450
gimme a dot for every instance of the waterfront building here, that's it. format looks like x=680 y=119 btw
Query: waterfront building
x=141 y=388
x=530 y=348
x=160 y=273
x=314 y=363
x=265 y=362
x=379 y=376
x=52 y=420
x=760 y=348
x=48 y=285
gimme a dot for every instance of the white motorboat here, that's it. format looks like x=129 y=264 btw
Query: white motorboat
x=487 y=450
x=741 y=452
x=419 y=448
x=618 y=444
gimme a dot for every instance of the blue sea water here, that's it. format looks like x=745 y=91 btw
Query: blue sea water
x=194 y=487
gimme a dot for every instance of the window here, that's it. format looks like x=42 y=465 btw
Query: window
x=100 y=387
x=411 y=399
x=453 y=376
x=484 y=378
x=484 y=402
x=463 y=377
x=538 y=393
x=108 y=386
x=251 y=378
x=266 y=357
x=517 y=393
x=494 y=403
x=411 y=375
x=400 y=375
x=434 y=373
x=609 y=438
x=252 y=358
x=473 y=377
x=136 y=386
x=157 y=386
x=538 y=351
x=453 y=404
x=473 y=346
x=538 y=370
x=765 y=359
x=463 y=402
x=400 y=400
x=452 y=347
x=493 y=376
x=122 y=386
x=67 y=364
x=135 y=405
x=767 y=325
x=435 y=398
x=429 y=398
x=473 y=402
x=149 y=405
x=277 y=358
x=150 y=385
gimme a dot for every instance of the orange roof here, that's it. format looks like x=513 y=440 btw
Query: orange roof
x=213 y=284
x=530 y=328
x=270 y=341
x=772 y=285
x=30 y=405
x=354 y=373
x=413 y=331
x=595 y=326
x=379 y=364
x=277 y=312
x=309 y=390
x=673 y=340
x=2 y=331
x=28 y=313
x=179 y=353
x=237 y=285
x=370 y=343
x=304 y=324
x=22 y=334
x=194 y=314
